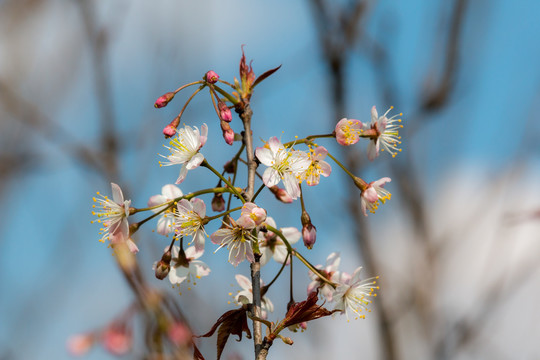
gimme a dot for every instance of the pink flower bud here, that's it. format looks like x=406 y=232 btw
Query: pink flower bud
x=228 y=135
x=309 y=234
x=78 y=345
x=212 y=77
x=117 y=339
x=348 y=131
x=218 y=203
x=170 y=129
x=281 y=194
x=224 y=112
x=163 y=100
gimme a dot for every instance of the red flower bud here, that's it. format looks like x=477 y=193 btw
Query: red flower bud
x=224 y=112
x=211 y=77
x=228 y=135
x=163 y=100
x=218 y=203
x=170 y=129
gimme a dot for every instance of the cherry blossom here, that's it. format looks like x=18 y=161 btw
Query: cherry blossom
x=185 y=149
x=117 y=339
x=330 y=272
x=166 y=220
x=252 y=214
x=348 y=131
x=318 y=166
x=272 y=245
x=112 y=214
x=245 y=296
x=283 y=164
x=386 y=134
x=373 y=193
x=353 y=294
x=186 y=266
x=189 y=221
x=238 y=239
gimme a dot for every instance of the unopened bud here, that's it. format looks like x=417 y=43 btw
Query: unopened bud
x=309 y=231
x=164 y=265
x=218 y=203
x=228 y=135
x=170 y=129
x=224 y=112
x=281 y=194
x=211 y=77
x=286 y=340
x=163 y=100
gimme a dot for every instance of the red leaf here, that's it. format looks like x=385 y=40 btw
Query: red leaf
x=232 y=322
x=305 y=311
x=264 y=76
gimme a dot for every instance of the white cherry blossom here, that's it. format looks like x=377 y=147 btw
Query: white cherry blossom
x=166 y=220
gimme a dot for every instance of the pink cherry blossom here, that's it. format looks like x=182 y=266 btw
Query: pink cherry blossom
x=283 y=164
x=189 y=221
x=245 y=296
x=166 y=220
x=193 y=270
x=348 y=131
x=330 y=272
x=252 y=215
x=112 y=214
x=386 y=134
x=238 y=239
x=373 y=193
x=272 y=246
x=352 y=294
x=318 y=166
x=185 y=149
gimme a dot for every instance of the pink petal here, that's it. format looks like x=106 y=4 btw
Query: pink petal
x=199 y=207
x=275 y=144
x=320 y=153
x=204 y=134
x=171 y=191
x=243 y=281
x=374 y=114
x=381 y=182
x=182 y=175
x=326 y=169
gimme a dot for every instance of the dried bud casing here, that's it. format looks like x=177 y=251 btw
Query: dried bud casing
x=163 y=100
x=229 y=167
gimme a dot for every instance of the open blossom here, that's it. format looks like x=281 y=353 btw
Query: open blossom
x=166 y=220
x=185 y=149
x=348 y=131
x=318 y=166
x=373 y=193
x=189 y=220
x=330 y=272
x=112 y=214
x=186 y=266
x=238 y=239
x=272 y=245
x=385 y=134
x=247 y=292
x=353 y=294
x=283 y=164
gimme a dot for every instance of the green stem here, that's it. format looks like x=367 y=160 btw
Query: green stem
x=233 y=189
x=186 y=85
x=229 y=97
x=279 y=272
x=307 y=140
x=210 y=218
x=341 y=166
x=258 y=192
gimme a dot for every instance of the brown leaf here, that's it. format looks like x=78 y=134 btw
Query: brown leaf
x=265 y=75
x=232 y=322
x=305 y=311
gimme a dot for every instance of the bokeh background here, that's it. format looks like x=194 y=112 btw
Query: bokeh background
x=456 y=247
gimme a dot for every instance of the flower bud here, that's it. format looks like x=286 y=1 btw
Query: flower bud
x=218 y=203
x=179 y=334
x=309 y=232
x=224 y=112
x=170 y=129
x=163 y=100
x=164 y=265
x=211 y=77
x=228 y=135
x=117 y=339
x=281 y=194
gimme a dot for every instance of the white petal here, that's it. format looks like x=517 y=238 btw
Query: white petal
x=291 y=185
x=182 y=175
x=199 y=207
x=265 y=156
x=271 y=177
x=374 y=114
x=292 y=234
x=195 y=161
x=243 y=281
x=373 y=149
x=204 y=134
x=118 y=197
x=171 y=191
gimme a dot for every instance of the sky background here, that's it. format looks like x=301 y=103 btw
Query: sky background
x=476 y=160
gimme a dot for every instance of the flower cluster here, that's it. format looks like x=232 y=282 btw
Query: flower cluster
x=239 y=221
